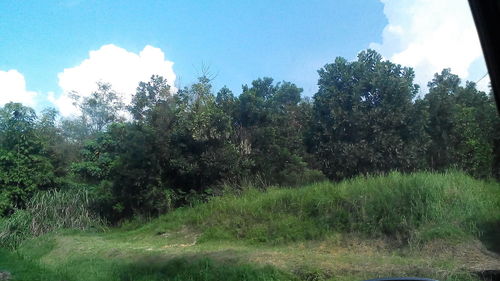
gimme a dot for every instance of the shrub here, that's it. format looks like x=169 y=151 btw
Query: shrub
x=49 y=211
x=411 y=207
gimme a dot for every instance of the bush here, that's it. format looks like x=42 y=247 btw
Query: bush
x=15 y=229
x=410 y=207
x=49 y=211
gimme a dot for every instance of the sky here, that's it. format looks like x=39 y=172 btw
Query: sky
x=49 y=48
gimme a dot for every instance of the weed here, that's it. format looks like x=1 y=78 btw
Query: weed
x=413 y=208
x=48 y=211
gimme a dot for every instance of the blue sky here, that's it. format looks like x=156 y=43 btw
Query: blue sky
x=239 y=40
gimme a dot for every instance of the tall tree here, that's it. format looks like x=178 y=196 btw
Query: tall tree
x=271 y=132
x=100 y=109
x=442 y=111
x=203 y=151
x=463 y=126
x=363 y=118
x=24 y=165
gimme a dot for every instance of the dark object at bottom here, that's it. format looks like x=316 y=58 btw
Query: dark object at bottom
x=5 y=276
x=486 y=14
x=402 y=279
x=489 y=275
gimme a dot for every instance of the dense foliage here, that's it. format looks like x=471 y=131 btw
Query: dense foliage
x=365 y=118
x=50 y=211
x=412 y=208
x=167 y=149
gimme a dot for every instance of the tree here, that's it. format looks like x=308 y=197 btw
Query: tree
x=175 y=145
x=125 y=162
x=442 y=111
x=475 y=131
x=148 y=97
x=203 y=151
x=58 y=149
x=100 y=109
x=123 y=167
x=270 y=132
x=364 y=118
x=24 y=165
x=463 y=126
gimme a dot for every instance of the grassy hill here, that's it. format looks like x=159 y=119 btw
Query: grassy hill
x=443 y=226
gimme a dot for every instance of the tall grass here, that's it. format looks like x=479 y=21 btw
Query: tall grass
x=20 y=268
x=410 y=207
x=48 y=211
x=413 y=208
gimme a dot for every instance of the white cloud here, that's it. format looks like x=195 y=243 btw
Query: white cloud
x=114 y=65
x=13 y=88
x=430 y=35
x=63 y=103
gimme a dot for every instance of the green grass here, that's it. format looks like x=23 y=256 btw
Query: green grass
x=83 y=257
x=421 y=224
x=411 y=208
x=95 y=268
x=46 y=212
x=22 y=269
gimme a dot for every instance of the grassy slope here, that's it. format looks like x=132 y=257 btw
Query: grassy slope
x=421 y=224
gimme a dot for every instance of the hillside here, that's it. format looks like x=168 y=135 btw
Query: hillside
x=442 y=226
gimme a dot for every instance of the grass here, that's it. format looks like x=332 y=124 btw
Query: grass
x=84 y=257
x=49 y=211
x=25 y=270
x=409 y=208
x=421 y=224
x=96 y=268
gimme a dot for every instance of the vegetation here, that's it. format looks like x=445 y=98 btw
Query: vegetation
x=361 y=228
x=410 y=208
x=365 y=119
x=175 y=149
x=372 y=155
x=174 y=270
x=49 y=211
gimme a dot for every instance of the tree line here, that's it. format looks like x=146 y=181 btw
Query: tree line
x=167 y=149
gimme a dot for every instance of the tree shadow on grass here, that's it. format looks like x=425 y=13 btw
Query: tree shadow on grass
x=22 y=269
x=491 y=236
x=160 y=267
x=202 y=269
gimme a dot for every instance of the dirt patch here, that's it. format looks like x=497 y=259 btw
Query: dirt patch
x=182 y=238
x=378 y=258
x=5 y=276
x=472 y=256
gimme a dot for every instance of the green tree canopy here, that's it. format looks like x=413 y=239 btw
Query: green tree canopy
x=24 y=165
x=363 y=117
